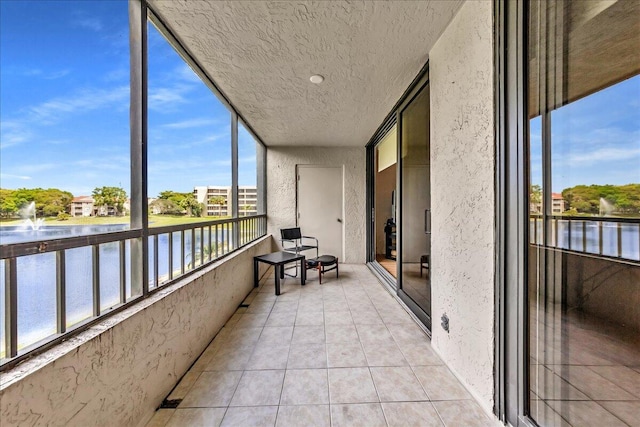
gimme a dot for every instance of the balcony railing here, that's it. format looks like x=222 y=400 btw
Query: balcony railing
x=52 y=288
x=607 y=237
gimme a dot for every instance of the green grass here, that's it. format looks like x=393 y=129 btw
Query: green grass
x=154 y=220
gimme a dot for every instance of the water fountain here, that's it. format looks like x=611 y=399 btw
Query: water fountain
x=30 y=211
x=606 y=207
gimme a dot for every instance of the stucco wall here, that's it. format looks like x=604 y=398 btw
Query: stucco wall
x=462 y=177
x=281 y=190
x=118 y=372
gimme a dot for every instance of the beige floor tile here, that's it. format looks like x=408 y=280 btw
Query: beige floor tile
x=307 y=356
x=545 y=416
x=252 y=320
x=585 y=414
x=403 y=333
x=260 y=306
x=594 y=385
x=374 y=333
x=304 y=415
x=269 y=356
x=624 y=377
x=419 y=354
x=308 y=335
x=549 y=386
x=256 y=416
x=277 y=335
x=160 y=418
x=397 y=384
x=281 y=318
x=629 y=412
x=351 y=385
x=185 y=384
x=309 y=318
x=259 y=388
x=341 y=333
x=368 y=317
x=440 y=383
x=241 y=337
x=212 y=389
x=305 y=387
x=230 y=359
x=462 y=413
x=345 y=355
x=383 y=354
x=411 y=414
x=338 y=317
x=197 y=417
x=359 y=415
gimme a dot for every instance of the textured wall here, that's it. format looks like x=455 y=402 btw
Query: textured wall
x=462 y=161
x=118 y=372
x=281 y=190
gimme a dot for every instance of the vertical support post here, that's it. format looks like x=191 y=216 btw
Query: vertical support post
x=193 y=248
x=156 y=262
x=261 y=171
x=95 y=264
x=234 y=179
x=11 y=307
x=217 y=241
x=600 y=242
x=210 y=247
x=170 y=248
x=181 y=252
x=138 y=124
x=201 y=245
x=61 y=294
x=122 y=251
x=584 y=236
x=619 y=230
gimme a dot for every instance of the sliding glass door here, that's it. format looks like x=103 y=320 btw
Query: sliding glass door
x=415 y=205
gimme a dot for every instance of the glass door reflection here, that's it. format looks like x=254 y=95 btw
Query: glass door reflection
x=415 y=211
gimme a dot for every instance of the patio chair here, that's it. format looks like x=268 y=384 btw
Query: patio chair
x=294 y=242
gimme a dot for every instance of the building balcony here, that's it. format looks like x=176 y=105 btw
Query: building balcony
x=342 y=353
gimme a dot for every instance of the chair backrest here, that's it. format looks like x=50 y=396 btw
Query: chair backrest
x=290 y=233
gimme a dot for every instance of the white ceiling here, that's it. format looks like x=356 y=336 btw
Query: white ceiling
x=261 y=55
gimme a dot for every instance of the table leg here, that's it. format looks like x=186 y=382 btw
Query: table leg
x=256 y=274
x=303 y=274
x=279 y=270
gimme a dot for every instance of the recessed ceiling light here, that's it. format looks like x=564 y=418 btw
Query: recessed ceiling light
x=316 y=78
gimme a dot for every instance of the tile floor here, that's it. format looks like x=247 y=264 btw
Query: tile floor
x=344 y=353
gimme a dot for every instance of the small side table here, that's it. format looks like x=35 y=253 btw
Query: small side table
x=278 y=260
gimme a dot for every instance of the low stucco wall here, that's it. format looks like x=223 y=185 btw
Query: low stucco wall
x=119 y=371
x=463 y=195
x=281 y=190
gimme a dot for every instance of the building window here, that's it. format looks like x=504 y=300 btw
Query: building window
x=584 y=235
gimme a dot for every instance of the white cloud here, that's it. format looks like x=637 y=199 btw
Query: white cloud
x=603 y=155
x=11 y=176
x=93 y=24
x=191 y=123
x=13 y=133
x=54 y=110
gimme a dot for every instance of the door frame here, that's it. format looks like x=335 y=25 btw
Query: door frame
x=340 y=256
x=420 y=85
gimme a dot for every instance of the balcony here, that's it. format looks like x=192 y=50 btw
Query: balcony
x=342 y=353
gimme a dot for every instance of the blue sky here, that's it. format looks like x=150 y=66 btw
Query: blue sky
x=64 y=105
x=64 y=111
x=595 y=140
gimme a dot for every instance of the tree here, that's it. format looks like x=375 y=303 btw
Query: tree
x=218 y=200
x=47 y=202
x=114 y=197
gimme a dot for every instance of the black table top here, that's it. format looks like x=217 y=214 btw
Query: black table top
x=278 y=257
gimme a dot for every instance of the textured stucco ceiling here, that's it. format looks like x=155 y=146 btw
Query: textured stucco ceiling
x=261 y=55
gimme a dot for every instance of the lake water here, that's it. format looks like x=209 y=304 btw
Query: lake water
x=37 y=276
